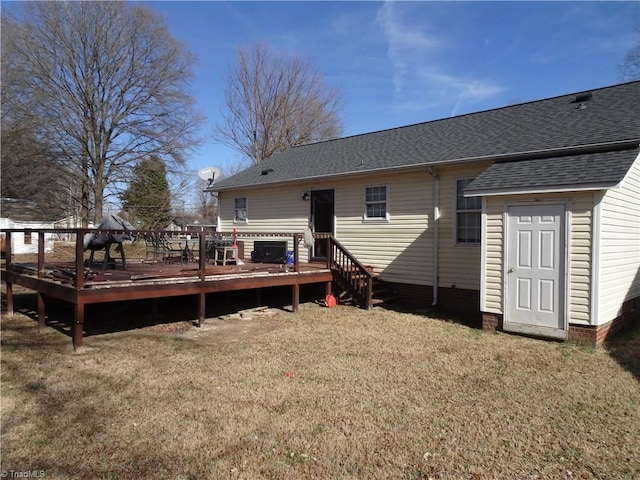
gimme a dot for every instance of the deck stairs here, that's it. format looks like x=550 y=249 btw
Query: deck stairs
x=357 y=283
x=382 y=295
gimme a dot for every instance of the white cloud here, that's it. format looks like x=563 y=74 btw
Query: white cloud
x=405 y=43
x=420 y=76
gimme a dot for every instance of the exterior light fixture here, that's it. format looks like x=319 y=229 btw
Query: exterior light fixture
x=305 y=196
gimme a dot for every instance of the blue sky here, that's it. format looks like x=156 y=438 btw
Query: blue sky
x=398 y=63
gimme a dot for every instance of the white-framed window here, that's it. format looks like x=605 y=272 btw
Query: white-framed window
x=376 y=203
x=240 y=210
x=468 y=215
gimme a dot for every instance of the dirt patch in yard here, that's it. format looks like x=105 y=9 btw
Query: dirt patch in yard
x=224 y=329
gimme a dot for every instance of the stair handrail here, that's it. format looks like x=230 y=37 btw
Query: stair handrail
x=363 y=293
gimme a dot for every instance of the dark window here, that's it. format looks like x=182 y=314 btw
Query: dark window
x=240 y=210
x=468 y=215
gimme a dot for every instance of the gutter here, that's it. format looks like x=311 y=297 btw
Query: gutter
x=436 y=228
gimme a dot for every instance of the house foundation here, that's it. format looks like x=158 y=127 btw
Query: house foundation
x=588 y=335
x=455 y=300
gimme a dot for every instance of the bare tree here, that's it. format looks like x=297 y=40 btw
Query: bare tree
x=206 y=202
x=630 y=68
x=105 y=84
x=29 y=173
x=273 y=102
x=26 y=161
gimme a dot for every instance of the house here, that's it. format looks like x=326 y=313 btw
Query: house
x=69 y=222
x=190 y=222
x=528 y=214
x=201 y=224
x=24 y=214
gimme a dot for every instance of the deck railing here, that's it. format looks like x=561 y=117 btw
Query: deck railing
x=350 y=274
x=198 y=245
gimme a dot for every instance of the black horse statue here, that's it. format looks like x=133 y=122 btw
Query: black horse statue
x=103 y=241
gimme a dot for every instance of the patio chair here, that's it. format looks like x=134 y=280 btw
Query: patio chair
x=174 y=250
x=221 y=250
x=155 y=250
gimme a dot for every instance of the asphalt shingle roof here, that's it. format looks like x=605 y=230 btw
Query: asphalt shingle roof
x=21 y=210
x=611 y=115
x=605 y=169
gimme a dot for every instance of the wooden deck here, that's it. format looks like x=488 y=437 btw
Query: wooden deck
x=79 y=285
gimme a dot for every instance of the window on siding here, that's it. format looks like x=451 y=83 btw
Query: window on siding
x=27 y=237
x=375 y=203
x=468 y=215
x=240 y=210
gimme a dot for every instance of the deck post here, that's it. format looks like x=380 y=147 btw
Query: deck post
x=328 y=288
x=7 y=250
x=40 y=254
x=41 y=312
x=295 y=302
x=201 y=308
x=80 y=258
x=78 y=323
x=296 y=253
x=7 y=260
x=9 y=286
x=39 y=296
x=368 y=300
x=202 y=254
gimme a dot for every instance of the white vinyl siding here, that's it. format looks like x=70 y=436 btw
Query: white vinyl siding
x=459 y=264
x=580 y=257
x=579 y=261
x=494 y=238
x=619 y=267
x=26 y=242
x=278 y=210
x=400 y=249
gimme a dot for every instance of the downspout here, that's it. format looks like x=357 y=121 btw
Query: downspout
x=436 y=218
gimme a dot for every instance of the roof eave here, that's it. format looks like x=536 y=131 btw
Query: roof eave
x=548 y=189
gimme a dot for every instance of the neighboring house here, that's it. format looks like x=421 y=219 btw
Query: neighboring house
x=201 y=224
x=529 y=214
x=69 y=222
x=174 y=226
x=24 y=214
x=190 y=222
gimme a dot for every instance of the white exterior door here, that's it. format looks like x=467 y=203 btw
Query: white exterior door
x=535 y=270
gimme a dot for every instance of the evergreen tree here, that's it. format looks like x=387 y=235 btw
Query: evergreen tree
x=148 y=198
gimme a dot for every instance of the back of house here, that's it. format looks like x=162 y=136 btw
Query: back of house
x=528 y=215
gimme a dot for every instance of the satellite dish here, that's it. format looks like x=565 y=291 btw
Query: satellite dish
x=210 y=174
